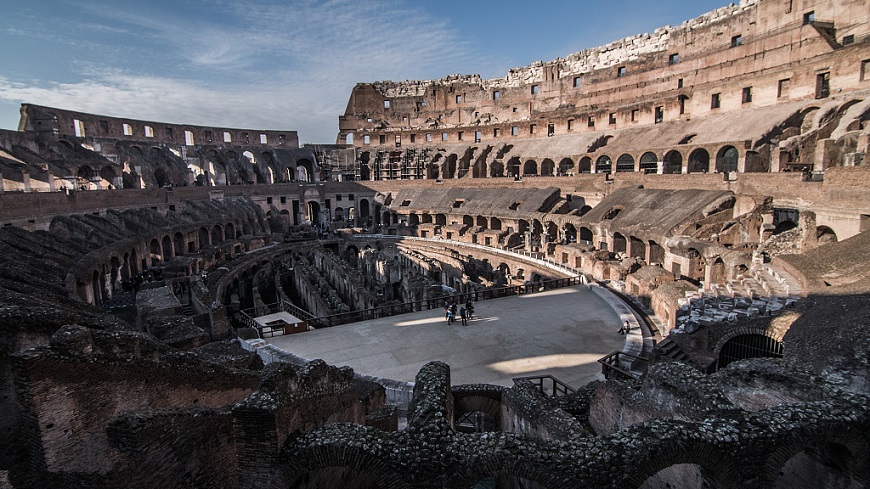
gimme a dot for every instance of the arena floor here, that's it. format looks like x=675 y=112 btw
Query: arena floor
x=560 y=332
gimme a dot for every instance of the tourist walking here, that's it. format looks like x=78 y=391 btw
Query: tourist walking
x=462 y=316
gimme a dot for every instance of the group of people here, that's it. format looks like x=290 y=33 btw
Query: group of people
x=465 y=312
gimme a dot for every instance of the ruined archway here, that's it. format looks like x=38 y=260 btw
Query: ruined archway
x=513 y=167
x=548 y=168
x=649 y=163
x=619 y=243
x=825 y=235
x=625 y=163
x=530 y=168
x=751 y=345
x=496 y=169
x=585 y=165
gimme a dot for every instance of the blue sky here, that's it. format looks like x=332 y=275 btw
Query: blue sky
x=270 y=64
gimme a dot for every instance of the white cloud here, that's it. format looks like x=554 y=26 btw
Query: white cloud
x=265 y=65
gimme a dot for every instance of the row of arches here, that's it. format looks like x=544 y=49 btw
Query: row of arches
x=725 y=159
x=106 y=278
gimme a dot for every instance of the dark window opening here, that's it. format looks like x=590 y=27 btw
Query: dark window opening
x=612 y=118
x=823 y=85
x=736 y=41
x=590 y=122
x=551 y=130
x=850 y=39
x=673 y=59
x=535 y=89
x=169 y=133
x=104 y=126
x=576 y=81
x=747 y=95
x=496 y=95
x=809 y=17
x=621 y=72
x=715 y=101
x=209 y=137
x=382 y=139
x=660 y=114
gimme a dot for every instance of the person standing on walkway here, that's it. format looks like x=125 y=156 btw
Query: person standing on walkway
x=624 y=329
x=462 y=315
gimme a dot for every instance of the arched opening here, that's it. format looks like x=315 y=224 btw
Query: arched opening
x=302 y=174
x=109 y=177
x=203 y=238
x=570 y=233
x=656 y=253
x=348 y=138
x=365 y=171
x=672 y=162
x=680 y=476
x=365 y=212
x=785 y=219
x=566 y=166
x=96 y=288
x=585 y=165
x=513 y=167
x=84 y=177
x=441 y=219
x=749 y=346
x=552 y=231
x=828 y=466
x=217 y=235
x=618 y=243
x=603 y=164
x=482 y=222
x=312 y=212
x=156 y=252
x=586 y=234
x=162 y=178
x=495 y=223
x=414 y=219
x=449 y=167
x=699 y=161
x=625 y=163
x=726 y=159
x=479 y=169
x=583 y=210
x=178 y=244
x=717 y=272
x=467 y=220
x=305 y=170
x=530 y=168
x=167 y=248
x=548 y=168
x=638 y=248
x=338 y=214
x=649 y=162
x=825 y=235
x=496 y=169
x=426 y=219
x=229 y=232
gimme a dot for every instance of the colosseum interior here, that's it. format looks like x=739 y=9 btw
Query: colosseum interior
x=710 y=179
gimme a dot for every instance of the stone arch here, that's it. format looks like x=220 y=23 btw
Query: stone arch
x=570 y=232
x=752 y=345
x=339 y=214
x=699 y=161
x=178 y=244
x=726 y=159
x=619 y=243
x=229 y=232
x=449 y=166
x=364 y=209
x=603 y=164
x=305 y=170
x=467 y=220
x=155 y=251
x=365 y=170
x=110 y=176
x=327 y=463
x=475 y=412
x=586 y=234
x=718 y=273
x=679 y=476
x=479 y=169
x=773 y=334
x=495 y=223
x=827 y=459
x=167 y=248
x=162 y=178
x=530 y=167
x=672 y=162
x=496 y=169
x=649 y=162
x=566 y=166
x=204 y=237
x=625 y=163
x=482 y=222
x=825 y=235
x=414 y=219
x=441 y=219
x=656 y=253
x=585 y=165
x=513 y=166
x=312 y=212
x=548 y=168
x=217 y=234
x=637 y=248
x=666 y=457
x=584 y=210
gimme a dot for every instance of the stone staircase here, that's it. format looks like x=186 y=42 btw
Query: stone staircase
x=669 y=349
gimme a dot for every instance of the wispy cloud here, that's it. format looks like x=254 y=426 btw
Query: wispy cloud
x=258 y=64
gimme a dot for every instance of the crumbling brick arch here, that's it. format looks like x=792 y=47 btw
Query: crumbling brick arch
x=585 y=165
x=513 y=166
x=319 y=463
x=649 y=163
x=496 y=169
x=625 y=163
x=837 y=453
x=712 y=462
x=477 y=408
x=482 y=222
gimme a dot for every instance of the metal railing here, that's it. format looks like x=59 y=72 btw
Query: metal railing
x=612 y=369
x=547 y=385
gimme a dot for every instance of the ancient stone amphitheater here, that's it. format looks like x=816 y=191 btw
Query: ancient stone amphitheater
x=710 y=177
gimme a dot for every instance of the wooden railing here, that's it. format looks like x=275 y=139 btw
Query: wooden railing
x=547 y=384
